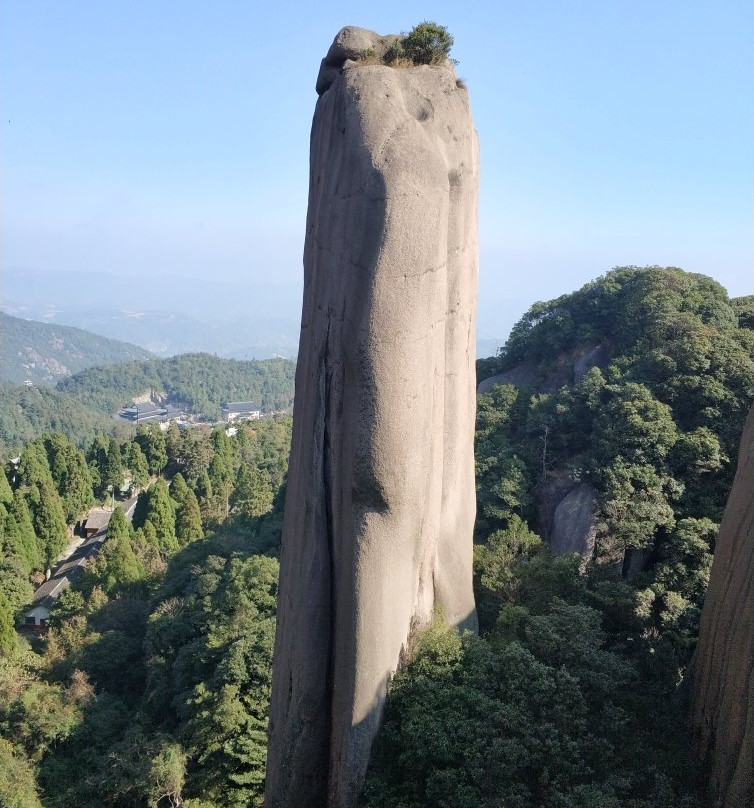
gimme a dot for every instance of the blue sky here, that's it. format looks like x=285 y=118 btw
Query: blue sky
x=172 y=137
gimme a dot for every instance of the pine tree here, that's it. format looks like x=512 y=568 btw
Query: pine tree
x=70 y=474
x=152 y=442
x=7 y=628
x=6 y=492
x=221 y=478
x=161 y=513
x=118 y=564
x=148 y=533
x=118 y=526
x=203 y=490
x=113 y=475
x=178 y=489
x=253 y=495
x=173 y=443
x=49 y=520
x=188 y=522
x=33 y=466
x=20 y=541
x=137 y=464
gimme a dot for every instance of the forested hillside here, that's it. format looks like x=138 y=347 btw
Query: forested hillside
x=27 y=412
x=200 y=382
x=153 y=681
x=152 y=686
x=44 y=353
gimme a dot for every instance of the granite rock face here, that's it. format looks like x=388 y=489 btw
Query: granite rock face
x=722 y=679
x=380 y=502
x=573 y=528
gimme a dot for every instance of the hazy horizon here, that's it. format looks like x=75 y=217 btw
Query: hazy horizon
x=141 y=142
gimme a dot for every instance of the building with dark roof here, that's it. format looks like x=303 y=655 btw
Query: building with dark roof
x=241 y=411
x=94 y=529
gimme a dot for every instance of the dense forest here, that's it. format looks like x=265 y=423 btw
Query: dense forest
x=200 y=382
x=151 y=686
x=27 y=412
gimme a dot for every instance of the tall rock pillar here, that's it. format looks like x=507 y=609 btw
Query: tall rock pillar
x=722 y=679
x=380 y=501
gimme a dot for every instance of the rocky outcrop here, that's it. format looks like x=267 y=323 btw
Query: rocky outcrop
x=567 y=368
x=573 y=528
x=722 y=678
x=380 y=501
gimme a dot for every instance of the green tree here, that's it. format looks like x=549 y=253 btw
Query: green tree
x=106 y=464
x=48 y=517
x=178 y=489
x=14 y=583
x=18 y=787
x=173 y=443
x=635 y=504
x=221 y=473
x=33 y=467
x=70 y=474
x=117 y=565
x=188 y=520
x=167 y=775
x=204 y=496
x=494 y=564
x=252 y=496
x=6 y=493
x=7 y=626
x=160 y=512
x=20 y=541
x=195 y=454
x=137 y=465
x=152 y=442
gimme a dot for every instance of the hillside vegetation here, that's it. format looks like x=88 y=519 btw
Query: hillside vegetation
x=152 y=686
x=28 y=412
x=44 y=353
x=653 y=428
x=200 y=382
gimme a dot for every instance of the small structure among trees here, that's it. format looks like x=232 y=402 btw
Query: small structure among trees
x=241 y=411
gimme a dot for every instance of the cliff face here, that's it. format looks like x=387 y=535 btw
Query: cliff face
x=380 y=502
x=722 y=681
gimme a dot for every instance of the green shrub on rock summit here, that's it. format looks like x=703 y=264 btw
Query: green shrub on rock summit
x=426 y=44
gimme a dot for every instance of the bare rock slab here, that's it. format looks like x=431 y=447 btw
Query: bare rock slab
x=573 y=528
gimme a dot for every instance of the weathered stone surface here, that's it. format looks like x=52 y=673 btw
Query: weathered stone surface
x=573 y=525
x=351 y=44
x=568 y=368
x=722 y=680
x=525 y=374
x=598 y=356
x=380 y=501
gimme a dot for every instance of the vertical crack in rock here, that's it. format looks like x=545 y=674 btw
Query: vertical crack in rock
x=722 y=673
x=380 y=499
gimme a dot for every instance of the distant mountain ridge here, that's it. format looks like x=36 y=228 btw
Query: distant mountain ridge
x=165 y=314
x=44 y=353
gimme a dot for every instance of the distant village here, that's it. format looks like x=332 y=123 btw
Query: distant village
x=151 y=413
